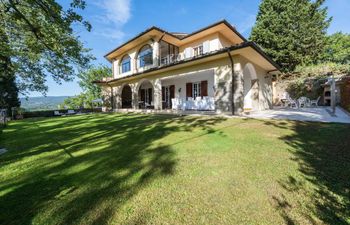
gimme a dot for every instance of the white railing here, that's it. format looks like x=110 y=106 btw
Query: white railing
x=172 y=58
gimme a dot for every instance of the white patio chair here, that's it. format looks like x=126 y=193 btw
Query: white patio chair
x=305 y=101
x=183 y=104
x=174 y=104
x=293 y=103
x=315 y=102
x=205 y=103
x=198 y=103
x=57 y=113
x=302 y=102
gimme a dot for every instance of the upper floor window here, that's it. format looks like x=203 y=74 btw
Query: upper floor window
x=145 y=56
x=198 y=50
x=125 y=64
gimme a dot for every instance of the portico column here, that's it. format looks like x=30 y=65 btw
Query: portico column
x=238 y=96
x=118 y=97
x=135 y=96
x=133 y=57
x=156 y=53
x=157 y=84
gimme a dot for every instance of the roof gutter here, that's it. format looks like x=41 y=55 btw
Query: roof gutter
x=232 y=82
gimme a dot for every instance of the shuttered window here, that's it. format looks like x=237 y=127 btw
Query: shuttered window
x=204 y=88
x=198 y=50
x=197 y=89
x=188 y=90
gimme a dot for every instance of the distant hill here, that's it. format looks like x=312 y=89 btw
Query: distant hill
x=42 y=103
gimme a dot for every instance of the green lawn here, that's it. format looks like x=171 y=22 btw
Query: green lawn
x=153 y=169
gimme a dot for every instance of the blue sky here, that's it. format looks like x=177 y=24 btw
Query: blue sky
x=116 y=21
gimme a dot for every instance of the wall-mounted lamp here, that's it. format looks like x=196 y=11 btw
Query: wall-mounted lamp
x=179 y=90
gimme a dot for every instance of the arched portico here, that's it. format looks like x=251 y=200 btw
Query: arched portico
x=250 y=88
x=126 y=97
x=145 y=94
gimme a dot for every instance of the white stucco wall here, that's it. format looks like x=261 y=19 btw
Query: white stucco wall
x=218 y=73
x=252 y=71
x=223 y=42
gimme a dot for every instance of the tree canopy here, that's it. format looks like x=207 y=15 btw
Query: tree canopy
x=337 y=48
x=92 y=74
x=292 y=32
x=91 y=91
x=41 y=42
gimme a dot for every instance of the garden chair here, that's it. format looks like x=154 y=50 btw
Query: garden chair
x=315 y=102
x=57 y=113
x=304 y=102
x=293 y=103
x=174 y=103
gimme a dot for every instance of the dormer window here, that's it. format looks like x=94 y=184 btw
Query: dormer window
x=145 y=56
x=198 y=50
x=125 y=65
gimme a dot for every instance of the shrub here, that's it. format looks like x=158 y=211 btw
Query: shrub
x=311 y=88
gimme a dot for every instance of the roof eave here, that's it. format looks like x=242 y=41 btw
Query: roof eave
x=172 y=35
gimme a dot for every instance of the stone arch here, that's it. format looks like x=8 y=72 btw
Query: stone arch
x=145 y=92
x=126 y=96
x=250 y=87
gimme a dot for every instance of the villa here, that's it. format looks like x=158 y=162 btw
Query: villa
x=212 y=69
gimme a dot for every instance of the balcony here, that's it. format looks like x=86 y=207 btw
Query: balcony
x=169 y=59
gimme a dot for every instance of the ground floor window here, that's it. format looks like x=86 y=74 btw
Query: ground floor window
x=196 y=90
x=148 y=95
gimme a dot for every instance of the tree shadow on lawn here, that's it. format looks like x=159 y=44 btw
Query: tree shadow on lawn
x=98 y=163
x=322 y=151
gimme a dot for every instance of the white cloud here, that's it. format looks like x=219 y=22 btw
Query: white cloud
x=117 y=11
x=109 y=23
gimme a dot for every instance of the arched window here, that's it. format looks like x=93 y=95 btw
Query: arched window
x=145 y=56
x=125 y=64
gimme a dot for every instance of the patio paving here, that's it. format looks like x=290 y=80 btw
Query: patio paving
x=319 y=114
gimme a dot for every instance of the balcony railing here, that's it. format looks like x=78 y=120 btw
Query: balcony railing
x=169 y=59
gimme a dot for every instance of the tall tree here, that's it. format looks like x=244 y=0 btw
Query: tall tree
x=8 y=88
x=41 y=42
x=292 y=32
x=91 y=91
x=92 y=74
x=8 y=92
x=337 y=48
